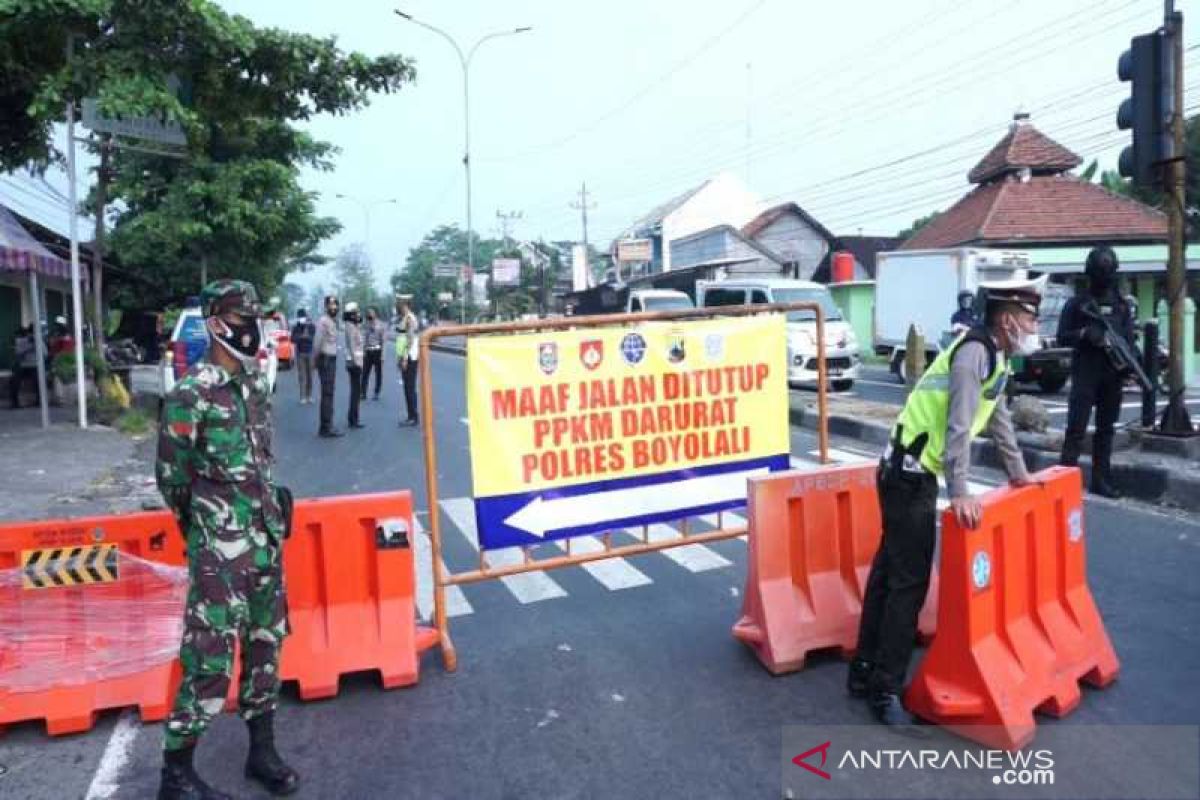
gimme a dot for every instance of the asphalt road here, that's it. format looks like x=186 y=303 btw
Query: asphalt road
x=599 y=684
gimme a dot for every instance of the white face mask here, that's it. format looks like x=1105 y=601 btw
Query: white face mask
x=1024 y=343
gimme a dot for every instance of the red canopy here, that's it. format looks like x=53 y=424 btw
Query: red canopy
x=20 y=252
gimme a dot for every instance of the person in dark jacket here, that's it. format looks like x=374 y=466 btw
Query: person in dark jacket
x=1094 y=379
x=303 y=333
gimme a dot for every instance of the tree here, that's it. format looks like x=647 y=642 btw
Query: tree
x=293 y=298
x=918 y=223
x=356 y=278
x=235 y=203
x=445 y=244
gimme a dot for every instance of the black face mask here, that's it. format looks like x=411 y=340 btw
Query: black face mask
x=242 y=340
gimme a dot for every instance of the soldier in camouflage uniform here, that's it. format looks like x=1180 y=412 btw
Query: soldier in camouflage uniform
x=214 y=470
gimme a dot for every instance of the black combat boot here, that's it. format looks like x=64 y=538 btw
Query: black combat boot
x=858 y=676
x=888 y=709
x=264 y=764
x=180 y=781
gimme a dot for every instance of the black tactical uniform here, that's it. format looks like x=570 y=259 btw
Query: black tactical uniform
x=1094 y=380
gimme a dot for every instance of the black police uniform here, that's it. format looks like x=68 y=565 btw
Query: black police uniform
x=1094 y=380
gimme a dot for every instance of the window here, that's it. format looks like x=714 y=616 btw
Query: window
x=668 y=303
x=758 y=297
x=724 y=297
x=815 y=295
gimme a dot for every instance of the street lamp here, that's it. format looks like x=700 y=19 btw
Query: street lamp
x=366 y=206
x=465 y=62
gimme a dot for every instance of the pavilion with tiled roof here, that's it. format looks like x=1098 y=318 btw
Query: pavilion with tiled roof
x=1025 y=197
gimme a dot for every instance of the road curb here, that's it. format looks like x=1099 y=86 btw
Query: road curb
x=447 y=348
x=1146 y=482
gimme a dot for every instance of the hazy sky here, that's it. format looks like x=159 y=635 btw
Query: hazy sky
x=643 y=99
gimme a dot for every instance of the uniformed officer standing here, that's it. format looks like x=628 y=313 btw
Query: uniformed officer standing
x=326 y=347
x=214 y=471
x=407 y=355
x=1094 y=379
x=354 y=361
x=960 y=395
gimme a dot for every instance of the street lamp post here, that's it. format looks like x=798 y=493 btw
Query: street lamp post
x=465 y=62
x=366 y=206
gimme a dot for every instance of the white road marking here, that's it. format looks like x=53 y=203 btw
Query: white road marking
x=692 y=557
x=1161 y=404
x=614 y=573
x=456 y=601
x=106 y=781
x=845 y=456
x=529 y=587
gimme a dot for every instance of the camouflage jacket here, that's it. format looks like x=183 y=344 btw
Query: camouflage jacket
x=214 y=454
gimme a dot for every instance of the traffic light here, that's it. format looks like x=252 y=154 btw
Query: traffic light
x=1147 y=111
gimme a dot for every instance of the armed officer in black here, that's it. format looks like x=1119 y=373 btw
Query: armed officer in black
x=1095 y=381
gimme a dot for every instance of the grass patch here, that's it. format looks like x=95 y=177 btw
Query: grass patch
x=134 y=422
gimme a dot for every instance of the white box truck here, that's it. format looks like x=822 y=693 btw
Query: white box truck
x=921 y=287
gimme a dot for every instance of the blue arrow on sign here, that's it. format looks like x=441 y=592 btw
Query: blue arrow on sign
x=532 y=517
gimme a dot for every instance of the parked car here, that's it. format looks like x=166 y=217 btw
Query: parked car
x=842 y=359
x=279 y=336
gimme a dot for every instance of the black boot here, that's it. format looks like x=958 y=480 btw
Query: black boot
x=890 y=711
x=1102 y=487
x=264 y=764
x=180 y=781
x=857 y=677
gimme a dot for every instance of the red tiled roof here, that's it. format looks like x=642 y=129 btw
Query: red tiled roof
x=1045 y=209
x=1024 y=146
x=767 y=218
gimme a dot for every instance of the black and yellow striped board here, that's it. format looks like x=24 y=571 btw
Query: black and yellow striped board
x=69 y=566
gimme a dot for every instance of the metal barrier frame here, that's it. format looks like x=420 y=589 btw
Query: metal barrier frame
x=442 y=578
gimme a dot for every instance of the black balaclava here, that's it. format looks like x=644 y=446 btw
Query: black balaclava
x=1101 y=270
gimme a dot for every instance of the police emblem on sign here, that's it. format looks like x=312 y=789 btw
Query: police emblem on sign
x=548 y=357
x=676 y=351
x=714 y=346
x=633 y=348
x=591 y=353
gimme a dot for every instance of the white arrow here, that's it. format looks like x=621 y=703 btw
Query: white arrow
x=541 y=515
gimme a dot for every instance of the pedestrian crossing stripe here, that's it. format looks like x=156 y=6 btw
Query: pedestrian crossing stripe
x=69 y=566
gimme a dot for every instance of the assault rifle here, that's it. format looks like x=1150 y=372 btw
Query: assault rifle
x=1121 y=354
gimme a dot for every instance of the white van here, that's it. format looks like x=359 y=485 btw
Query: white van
x=657 y=300
x=842 y=359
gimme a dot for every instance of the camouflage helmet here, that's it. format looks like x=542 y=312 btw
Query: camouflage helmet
x=225 y=296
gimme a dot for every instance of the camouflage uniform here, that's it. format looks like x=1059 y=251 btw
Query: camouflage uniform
x=214 y=470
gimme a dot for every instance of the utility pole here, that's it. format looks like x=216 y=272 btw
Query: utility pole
x=1175 y=418
x=583 y=205
x=506 y=221
x=103 y=176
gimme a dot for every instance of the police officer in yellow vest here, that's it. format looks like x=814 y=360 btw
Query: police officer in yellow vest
x=960 y=396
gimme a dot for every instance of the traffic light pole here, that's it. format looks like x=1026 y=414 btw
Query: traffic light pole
x=1175 y=419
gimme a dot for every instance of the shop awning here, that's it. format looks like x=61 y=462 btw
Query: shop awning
x=20 y=252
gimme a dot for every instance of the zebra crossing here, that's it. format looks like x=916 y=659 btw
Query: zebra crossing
x=614 y=574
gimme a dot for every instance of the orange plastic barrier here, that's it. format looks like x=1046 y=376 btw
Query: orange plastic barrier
x=32 y=550
x=350 y=585
x=1018 y=628
x=350 y=582
x=813 y=535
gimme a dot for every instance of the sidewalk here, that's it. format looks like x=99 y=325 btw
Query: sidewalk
x=1149 y=477
x=67 y=472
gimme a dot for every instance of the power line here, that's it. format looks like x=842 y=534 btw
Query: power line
x=705 y=47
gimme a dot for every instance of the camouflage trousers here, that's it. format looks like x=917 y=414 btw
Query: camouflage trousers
x=230 y=601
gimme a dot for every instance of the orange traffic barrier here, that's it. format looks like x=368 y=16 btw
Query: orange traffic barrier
x=813 y=535
x=63 y=656
x=350 y=587
x=1017 y=628
x=91 y=610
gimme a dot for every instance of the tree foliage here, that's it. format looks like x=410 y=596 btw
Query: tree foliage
x=918 y=223
x=356 y=279
x=1113 y=182
x=445 y=244
x=236 y=198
